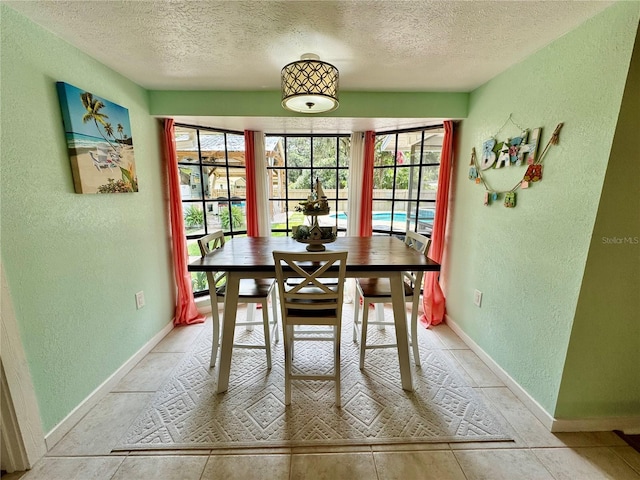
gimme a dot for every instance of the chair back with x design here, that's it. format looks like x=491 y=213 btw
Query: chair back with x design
x=311 y=302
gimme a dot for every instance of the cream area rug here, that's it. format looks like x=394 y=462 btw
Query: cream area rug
x=187 y=413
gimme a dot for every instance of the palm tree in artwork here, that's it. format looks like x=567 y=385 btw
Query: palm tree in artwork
x=109 y=130
x=93 y=107
x=123 y=136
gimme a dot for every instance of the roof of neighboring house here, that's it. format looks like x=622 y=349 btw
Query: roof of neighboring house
x=216 y=142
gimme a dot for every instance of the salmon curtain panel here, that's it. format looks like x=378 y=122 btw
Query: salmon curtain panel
x=366 y=198
x=249 y=160
x=433 y=301
x=258 y=224
x=186 y=312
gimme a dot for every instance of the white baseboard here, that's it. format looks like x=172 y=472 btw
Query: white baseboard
x=531 y=404
x=628 y=425
x=62 y=428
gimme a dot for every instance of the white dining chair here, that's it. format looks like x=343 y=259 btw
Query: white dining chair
x=377 y=291
x=310 y=302
x=251 y=292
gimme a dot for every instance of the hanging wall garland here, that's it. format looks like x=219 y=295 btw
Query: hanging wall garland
x=514 y=151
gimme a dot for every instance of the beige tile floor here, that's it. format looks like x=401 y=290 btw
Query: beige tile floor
x=85 y=452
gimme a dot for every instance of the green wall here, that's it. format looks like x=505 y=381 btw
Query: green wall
x=267 y=104
x=529 y=261
x=602 y=372
x=74 y=262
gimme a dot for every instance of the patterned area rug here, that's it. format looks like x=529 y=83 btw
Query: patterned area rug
x=187 y=413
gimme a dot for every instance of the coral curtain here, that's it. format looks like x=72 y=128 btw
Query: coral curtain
x=186 y=311
x=366 y=199
x=433 y=301
x=253 y=228
x=257 y=196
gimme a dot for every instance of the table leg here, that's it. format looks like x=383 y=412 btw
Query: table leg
x=228 y=329
x=400 y=320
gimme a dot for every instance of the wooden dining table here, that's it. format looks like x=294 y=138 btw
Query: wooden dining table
x=373 y=257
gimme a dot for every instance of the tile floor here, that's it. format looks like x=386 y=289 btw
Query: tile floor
x=85 y=452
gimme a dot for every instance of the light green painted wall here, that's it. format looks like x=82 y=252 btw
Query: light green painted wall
x=267 y=104
x=602 y=371
x=529 y=261
x=74 y=262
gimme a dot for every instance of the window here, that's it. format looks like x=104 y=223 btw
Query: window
x=405 y=180
x=213 y=184
x=294 y=166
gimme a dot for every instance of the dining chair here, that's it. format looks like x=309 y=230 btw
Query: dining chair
x=310 y=302
x=377 y=291
x=251 y=292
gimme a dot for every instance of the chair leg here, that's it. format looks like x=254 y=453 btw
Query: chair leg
x=363 y=335
x=267 y=327
x=215 y=340
x=288 y=350
x=380 y=315
x=356 y=317
x=414 y=336
x=251 y=311
x=274 y=312
x=336 y=356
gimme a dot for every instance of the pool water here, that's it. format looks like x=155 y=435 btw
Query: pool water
x=386 y=216
x=425 y=215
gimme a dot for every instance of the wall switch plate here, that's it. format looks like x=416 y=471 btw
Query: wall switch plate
x=139 y=300
x=477 y=298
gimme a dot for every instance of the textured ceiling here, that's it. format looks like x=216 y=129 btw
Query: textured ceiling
x=408 y=45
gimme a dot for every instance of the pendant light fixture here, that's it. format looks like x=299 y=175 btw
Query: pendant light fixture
x=310 y=85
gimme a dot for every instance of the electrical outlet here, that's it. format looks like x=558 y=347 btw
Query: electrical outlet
x=139 y=300
x=477 y=298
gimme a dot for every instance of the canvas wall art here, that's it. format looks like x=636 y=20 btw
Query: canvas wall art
x=99 y=141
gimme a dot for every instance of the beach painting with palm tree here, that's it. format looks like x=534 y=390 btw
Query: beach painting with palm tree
x=99 y=141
